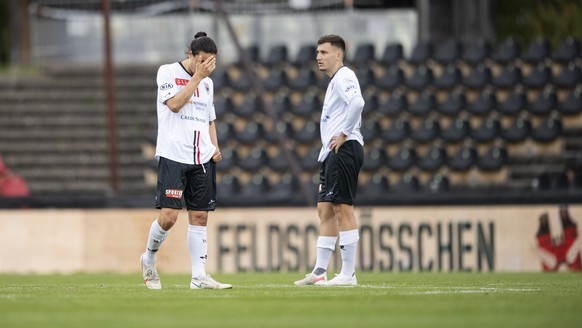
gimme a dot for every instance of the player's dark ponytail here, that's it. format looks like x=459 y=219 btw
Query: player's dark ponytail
x=202 y=42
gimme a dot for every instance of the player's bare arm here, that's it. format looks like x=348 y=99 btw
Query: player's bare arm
x=202 y=69
x=217 y=157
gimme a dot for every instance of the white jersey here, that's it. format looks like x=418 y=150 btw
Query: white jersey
x=184 y=136
x=342 y=89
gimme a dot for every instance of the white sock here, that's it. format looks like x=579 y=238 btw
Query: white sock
x=325 y=247
x=348 y=245
x=155 y=239
x=198 y=248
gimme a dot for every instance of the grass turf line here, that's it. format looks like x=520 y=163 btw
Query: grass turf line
x=271 y=300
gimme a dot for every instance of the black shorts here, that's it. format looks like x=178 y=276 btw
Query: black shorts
x=338 y=174
x=196 y=183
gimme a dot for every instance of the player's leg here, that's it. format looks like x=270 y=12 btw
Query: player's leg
x=347 y=163
x=200 y=198
x=328 y=229
x=169 y=201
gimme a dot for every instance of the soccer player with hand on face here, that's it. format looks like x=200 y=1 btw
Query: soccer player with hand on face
x=187 y=152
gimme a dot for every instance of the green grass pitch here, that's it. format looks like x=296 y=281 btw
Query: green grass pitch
x=270 y=300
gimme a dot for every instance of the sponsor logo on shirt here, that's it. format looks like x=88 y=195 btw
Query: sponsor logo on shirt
x=166 y=86
x=192 y=118
x=181 y=81
x=174 y=193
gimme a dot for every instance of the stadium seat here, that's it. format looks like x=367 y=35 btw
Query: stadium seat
x=221 y=80
x=366 y=77
x=457 y=131
x=285 y=129
x=537 y=51
x=548 y=130
x=569 y=77
x=519 y=130
x=229 y=160
x=276 y=79
x=375 y=159
x=487 y=131
x=544 y=103
x=515 y=102
x=397 y=132
x=463 y=159
x=396 y=104
x=229 y=187
x=577 y=180
x=256 y=158
x=308 y=105
x=478 y=78
x=420 y=78
x=287 y=188
x=252 y=132
x=252 y=104
x=477 y=51
x=393 y=54
x=364 y=55
x=424 y=104
x=538 y=77
x=371 y=130
x=279 y=162
x=404 y=159
x=225 y=131
x=371 y=105
x=374 y=189
x=453 y=104
x=306 y=56
x=243 y=83
x=508 y=78
x=438 y=183
x=408 y=183
x=222 y=106
x=434 y=159
x=281 y=104
x=309 y=161
x=391 y=79
x=572 y=105
x=493 y=159
x=568 y=50
x=278 y=55
x=427 y=131
x=551 y=181
x=258 y=187
x=449 y=78
x=308 y=134
x=305 y=78
x=422 y=51
x=449 y=51
x=484 y=104
x=507 y=51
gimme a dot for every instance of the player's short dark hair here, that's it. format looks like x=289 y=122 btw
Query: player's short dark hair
x=202 y=42
x=334 y=40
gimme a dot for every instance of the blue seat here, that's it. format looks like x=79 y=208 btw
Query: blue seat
x=477 y=51
x=463 y=159
x=537 y=51
x=424 y=104
x=457 y=131
x=568 y=50
x=453 y=104
x=519 y=130
x=408 y=183
x=544 y=103
x=371 y=130
x=428 y=131
x=508 y=51
x=493 y=159
x=393 y=53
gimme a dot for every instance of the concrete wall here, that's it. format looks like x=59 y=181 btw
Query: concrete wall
x=477 y=239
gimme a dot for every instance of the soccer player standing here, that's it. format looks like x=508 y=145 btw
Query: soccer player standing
x=340 y=158
x=187 y=151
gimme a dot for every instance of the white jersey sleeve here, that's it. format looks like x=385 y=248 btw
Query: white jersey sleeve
x=167 y=87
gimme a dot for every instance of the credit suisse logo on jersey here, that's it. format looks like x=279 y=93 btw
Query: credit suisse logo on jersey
x=181 y=81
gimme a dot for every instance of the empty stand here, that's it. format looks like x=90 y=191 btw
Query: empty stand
x=392 y=55
x=508 y=51
x=568 y=50
x=537 y=51
x=477 y=51
x=453 y=105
